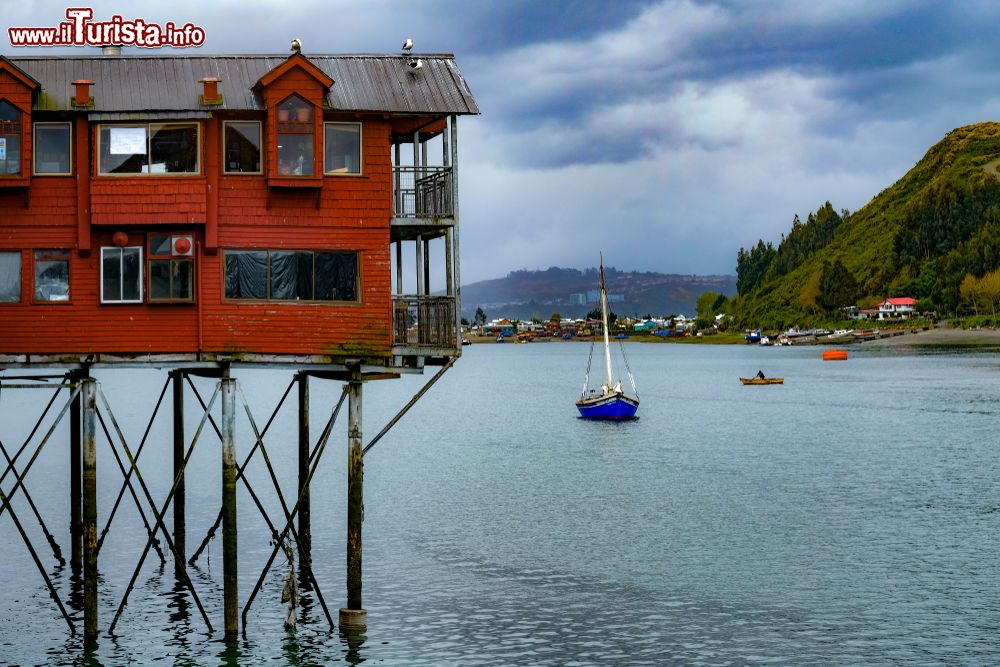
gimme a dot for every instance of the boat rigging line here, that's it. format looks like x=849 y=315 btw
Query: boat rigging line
x=628 y=369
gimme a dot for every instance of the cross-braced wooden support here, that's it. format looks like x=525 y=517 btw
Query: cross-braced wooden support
x=91 y=414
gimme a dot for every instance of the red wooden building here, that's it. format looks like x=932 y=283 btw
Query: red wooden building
x=216 y=208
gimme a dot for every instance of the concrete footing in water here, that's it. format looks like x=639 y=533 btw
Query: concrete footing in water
x=353 y=620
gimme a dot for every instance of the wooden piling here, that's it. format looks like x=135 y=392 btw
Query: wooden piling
x=305 y=528
x=179 y=509
x=353 y=617
x=75 y=483
x=229 y=546
x=89 y=509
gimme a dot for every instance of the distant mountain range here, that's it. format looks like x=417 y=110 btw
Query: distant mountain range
x=573 y=293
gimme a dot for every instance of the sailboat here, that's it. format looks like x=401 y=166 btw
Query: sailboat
x=610 y=401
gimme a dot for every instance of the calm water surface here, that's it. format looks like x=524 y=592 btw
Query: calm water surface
x=850 y=516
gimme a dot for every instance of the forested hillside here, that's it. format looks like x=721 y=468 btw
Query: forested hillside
x=933 y=235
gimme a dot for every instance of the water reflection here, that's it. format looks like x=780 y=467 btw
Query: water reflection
x=353 y=642
x=850 y=519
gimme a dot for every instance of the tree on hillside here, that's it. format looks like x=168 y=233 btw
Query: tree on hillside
x=751 y=265
x=555 y=317
x=710 y=304
x=837 y=286
x=981 y=294
x=805 y=239
x=480 y=317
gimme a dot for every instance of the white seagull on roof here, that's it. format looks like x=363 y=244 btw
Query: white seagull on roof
x=408 y=44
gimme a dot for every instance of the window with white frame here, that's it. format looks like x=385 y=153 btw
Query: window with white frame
x=241 y=152
x=148 y=149
x=342 y=148
x=121 y=274
x=10 y=277
x=52 y=148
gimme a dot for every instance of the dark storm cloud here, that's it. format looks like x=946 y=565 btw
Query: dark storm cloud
x=686 y=128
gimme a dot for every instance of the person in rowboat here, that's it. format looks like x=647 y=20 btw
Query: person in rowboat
x=760 y=375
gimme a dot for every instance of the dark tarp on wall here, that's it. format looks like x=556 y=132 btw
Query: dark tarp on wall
x=336 y=276
x=246 y=274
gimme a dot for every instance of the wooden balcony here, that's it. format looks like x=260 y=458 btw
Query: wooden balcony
x=423 y=201
x=425 y=326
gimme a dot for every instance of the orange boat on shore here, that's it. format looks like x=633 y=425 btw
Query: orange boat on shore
x=834 y=355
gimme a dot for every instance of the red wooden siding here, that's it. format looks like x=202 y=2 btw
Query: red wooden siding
x=147 y=200
x=350 y=213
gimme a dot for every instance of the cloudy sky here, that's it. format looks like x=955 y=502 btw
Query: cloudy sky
x=667 y=133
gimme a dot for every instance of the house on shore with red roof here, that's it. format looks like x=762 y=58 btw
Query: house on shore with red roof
x=897 y=308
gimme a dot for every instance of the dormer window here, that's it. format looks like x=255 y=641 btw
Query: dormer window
x=295 y=137
x=10 y=139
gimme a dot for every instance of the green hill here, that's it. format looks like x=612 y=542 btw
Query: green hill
x=933 y=235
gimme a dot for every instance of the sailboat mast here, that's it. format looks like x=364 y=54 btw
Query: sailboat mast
x=604 y=321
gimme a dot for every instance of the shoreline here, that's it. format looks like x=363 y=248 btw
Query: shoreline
x=938 y=336
x=944 y=336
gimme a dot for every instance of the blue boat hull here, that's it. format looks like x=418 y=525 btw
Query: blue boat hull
x=612 y=407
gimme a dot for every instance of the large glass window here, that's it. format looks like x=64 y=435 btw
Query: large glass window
x=10 y=139
x=171 y=268
x=295 y=137
x=242 y=147
x=291 y=275
x=51 y=275
x=10 y=277
x=52 y=148
x=149 y=149
x=121 y=275
x=342 y=148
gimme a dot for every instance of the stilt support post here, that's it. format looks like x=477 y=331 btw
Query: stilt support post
x=353 y=617
x=229 y=546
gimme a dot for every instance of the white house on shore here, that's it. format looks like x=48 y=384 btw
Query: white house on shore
x=899 y=308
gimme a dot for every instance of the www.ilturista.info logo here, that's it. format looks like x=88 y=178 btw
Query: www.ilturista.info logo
x=79 y=30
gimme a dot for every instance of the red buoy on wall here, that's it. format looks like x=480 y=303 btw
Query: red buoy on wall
x=120 y=239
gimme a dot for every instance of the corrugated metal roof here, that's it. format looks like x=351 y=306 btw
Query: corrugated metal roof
x=380 y=83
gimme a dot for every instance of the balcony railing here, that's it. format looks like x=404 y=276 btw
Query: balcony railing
x=424 y=321
x=422 y=192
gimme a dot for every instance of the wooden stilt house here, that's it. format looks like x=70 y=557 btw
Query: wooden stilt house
x=215 y=208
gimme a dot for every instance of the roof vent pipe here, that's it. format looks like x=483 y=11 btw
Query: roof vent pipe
x=111 y=50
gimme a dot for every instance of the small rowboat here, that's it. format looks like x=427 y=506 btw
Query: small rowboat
x=762 y=380
x=834 y=355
